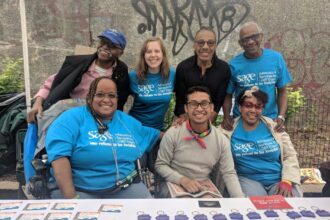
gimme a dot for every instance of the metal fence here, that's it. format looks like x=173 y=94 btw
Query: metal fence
x=309 y=129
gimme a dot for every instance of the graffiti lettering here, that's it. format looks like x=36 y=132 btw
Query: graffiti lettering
x=178 y=19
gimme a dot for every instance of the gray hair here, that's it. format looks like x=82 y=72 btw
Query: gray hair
x=251 y=23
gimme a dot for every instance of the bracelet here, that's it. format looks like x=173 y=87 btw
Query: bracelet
x=285 y=185
x=288 y=182
x=281 y=117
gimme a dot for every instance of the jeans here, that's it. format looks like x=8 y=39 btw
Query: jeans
x=134 y=191
x=254 y=188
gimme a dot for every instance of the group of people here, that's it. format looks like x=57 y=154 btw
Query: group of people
x=93 y=148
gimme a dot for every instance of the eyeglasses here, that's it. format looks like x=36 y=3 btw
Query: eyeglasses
x=253 y=37
x=201 y=43
x=203 y=104
x=101 y=95
x=250 y=105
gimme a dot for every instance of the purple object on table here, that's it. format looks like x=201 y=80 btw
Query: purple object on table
x=293 y=214
x=253 y=215
x=144 y=217
x=200 y=217
x=181 y=217
x=219 y=217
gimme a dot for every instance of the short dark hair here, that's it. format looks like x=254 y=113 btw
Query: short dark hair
x=205 y=28
x=194 y=89
x=259 y=95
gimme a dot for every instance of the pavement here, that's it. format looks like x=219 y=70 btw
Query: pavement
x=9 y=186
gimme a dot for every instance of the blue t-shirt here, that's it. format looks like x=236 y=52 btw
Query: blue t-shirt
x=74 y=135
x=152 y=98
x=268 y=72
x=256 y=154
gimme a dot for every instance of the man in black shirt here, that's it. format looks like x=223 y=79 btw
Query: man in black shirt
x=205 y=69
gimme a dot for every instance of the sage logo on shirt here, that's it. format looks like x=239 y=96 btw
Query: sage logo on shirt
x=111 y=140
x=247 y=78
x=243 y=147
x=100 y=137
x=146 y=89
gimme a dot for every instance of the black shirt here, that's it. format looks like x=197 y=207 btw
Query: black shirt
x=188 y=74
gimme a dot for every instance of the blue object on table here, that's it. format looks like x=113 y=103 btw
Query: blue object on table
x=307 y=213
x=322 y=213
x=271 y=213
x=253 y=215
x=200 y=217
x=236 y=215
x=219 y=216
x=162 y=217
x=293 y=215
x=181 y=217
x=144 y=217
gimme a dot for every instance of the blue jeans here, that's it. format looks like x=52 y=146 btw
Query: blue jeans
x=254 y=188
x=134 y=191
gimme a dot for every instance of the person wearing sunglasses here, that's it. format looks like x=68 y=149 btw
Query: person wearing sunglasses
x=78 y=71
x=190 y=152
x=203 y=68
x=93 y=148
x=258 y=66
x=265 y=160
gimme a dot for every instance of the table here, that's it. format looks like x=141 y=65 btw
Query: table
x=153 y=209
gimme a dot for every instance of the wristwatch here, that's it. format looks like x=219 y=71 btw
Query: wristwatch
x=281 y=117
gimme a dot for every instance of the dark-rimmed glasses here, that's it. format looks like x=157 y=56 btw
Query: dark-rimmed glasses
x=102 y=95
x=253 y=37
x=201 y=43
x=250 y=105
x=194 y=104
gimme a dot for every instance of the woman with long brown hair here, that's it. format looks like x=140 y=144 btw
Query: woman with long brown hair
x=152 y=84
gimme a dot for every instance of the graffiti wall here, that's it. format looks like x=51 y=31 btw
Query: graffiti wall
x=307 y=54
x=299 y=29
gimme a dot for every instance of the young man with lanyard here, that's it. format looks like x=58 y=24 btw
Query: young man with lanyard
x=193 y=150
x=78 y=71
x=264 y=68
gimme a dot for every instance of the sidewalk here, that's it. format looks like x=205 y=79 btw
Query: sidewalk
x=8 y=186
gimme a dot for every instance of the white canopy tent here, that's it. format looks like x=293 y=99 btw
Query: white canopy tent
x=25 y=55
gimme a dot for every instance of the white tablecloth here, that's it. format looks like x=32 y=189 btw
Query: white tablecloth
x=129 y=209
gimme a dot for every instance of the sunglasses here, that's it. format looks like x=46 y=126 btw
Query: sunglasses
x=253 y=37
x=201 y=43
x=250 y=105
x=109 y=44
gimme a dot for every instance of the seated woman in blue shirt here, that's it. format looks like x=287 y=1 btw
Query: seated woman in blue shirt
x=152 y=85
x=266 y=161
x=93 y=148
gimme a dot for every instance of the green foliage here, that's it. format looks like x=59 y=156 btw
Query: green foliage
x=169 y=116
x=12 y=76
x=296 y=100
x=218 y=120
